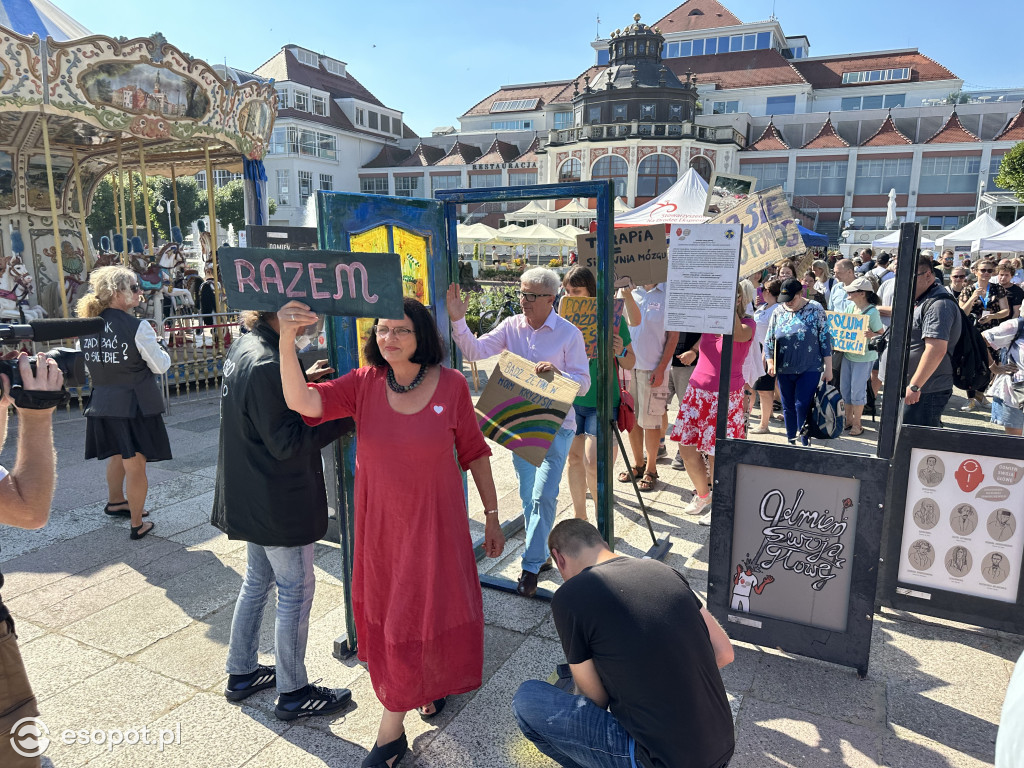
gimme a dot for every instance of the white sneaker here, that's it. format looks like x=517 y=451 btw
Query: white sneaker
x=705 y=519
x=972 y=405
x=697 y=504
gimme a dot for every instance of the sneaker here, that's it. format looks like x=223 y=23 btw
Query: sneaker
x=972 y=405
x=311 y=701
x=705 y=519
x=677 y=463
x=243 y=686
x=697 y=504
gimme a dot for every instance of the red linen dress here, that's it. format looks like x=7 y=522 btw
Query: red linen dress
x=415 y=590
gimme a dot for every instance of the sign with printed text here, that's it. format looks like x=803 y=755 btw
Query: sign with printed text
x=640 y=256
x=522 y=410
x=848 y=331
x=328 y=282
x=770 y=231
x=701 y=295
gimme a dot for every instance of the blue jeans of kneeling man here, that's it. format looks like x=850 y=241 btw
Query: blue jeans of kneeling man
x=538 y=490
x=571 y=730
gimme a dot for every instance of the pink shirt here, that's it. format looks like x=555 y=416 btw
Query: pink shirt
x=709 y=364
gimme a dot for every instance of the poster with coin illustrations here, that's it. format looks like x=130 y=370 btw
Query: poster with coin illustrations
x=962 y=531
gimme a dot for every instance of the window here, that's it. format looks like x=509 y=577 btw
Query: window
x=673 y=50
x=618 y=113
x=675 y=111
x=850 y=103
x=373 y=185
x=201 y=180
x=612 y=167
x=827 y=177
x=781 y=105
x=735 y=43
x=408 y=186
x=878 y=176
x=282 y=99
x=478 y=180
x=373 y=120
x=514 y=105
x=993 y=171
x=869 y=222
x=282 y=187
x=308 y=58
x=698 y=47
x=305 y=186
x=571 y=170
x=360 y=116
x=307 y=143
x=871 y=102
x=511 y=125
x=220 y=178
x=894 y=100
x=602 y=57
x=685 y=48
x=326 y=146
x=452 y=181
x=655 y=175
x=385 y=123
x=764 y=41
x=319 y=106
x=711 y=45
x=326 y=182
x=941 y=175
x=396 y=126
x=528 y=179
x=302 y=101
x=563 y=120
x=594 y=115
x=278 y=142
x=724 y=107
x=876 y=75
x=749 y=42
x=334 y=67
x=647 y=111
x=767 y=174
x=942 y=222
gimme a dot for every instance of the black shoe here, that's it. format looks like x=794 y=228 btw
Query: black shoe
x=677 y=464
x=379 y=755
x=546 y=566
x=312 y=701
x=527 y=586
x=243 y=686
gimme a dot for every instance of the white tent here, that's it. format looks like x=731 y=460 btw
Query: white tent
x=475 y=233
x=620 y=206
x=570 y=231
x=892 y=241
x=1009 y=239
x=575 y=210
x=538 y=234
x=983 y=226
x=682 y=203
x=532 y=210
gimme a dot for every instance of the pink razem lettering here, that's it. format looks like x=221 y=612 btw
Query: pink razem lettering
x=346 y=280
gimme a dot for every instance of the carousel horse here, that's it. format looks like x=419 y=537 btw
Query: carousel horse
x=205 y=243
x=106 y=256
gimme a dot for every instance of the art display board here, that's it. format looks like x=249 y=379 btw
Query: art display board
x=770 y=231
x=848 y=332
x=522 y=410
x=292 y=238
x=955 y=541
x=328 y=282
x=702 y=265
x=640 y=255
x=795 y=536
x=726 y=191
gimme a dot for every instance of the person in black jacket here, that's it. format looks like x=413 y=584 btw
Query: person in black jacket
x=123 y=419
x=270 y=493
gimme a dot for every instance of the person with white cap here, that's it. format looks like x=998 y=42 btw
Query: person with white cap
x=856 y=370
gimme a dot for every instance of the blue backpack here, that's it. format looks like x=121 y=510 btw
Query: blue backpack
x=827 y=417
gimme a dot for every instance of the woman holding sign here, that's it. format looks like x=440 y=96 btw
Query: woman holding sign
x=856 y=370
x=415 y=591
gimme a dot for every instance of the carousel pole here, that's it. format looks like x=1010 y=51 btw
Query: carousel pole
x=131 y=196
x=53 y=214
x=86 y=245
x=145 y=201
x=213 y=218
x=115 y=191
x=174 y=192
x=124 y=212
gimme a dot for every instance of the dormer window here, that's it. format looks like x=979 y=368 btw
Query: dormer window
x=308 y=58
x=696 y=12
x=334 y=67
x=647 y=111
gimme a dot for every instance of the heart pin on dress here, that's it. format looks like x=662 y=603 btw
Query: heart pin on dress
x=438 y=409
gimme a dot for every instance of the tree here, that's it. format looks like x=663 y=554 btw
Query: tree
x=230 y=202
x=192 y=203
x=1011 y=171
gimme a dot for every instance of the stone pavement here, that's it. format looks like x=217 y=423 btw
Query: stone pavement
x=119 y=634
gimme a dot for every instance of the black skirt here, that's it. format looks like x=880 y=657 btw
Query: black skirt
x=106 y=437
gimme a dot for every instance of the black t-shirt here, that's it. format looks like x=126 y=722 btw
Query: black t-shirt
x=686 y=341
x=1015 y=295
x=641 y=624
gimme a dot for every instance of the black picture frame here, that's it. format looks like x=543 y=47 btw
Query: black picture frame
x=849 y=648
x=943 y=604
x=273 y=236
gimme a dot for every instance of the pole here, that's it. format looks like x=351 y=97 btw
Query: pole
x=86 y=240
x=124 y=213
x=115 y=190
x=174 y=192
x=213 y=217
x=131 y=196
x=145 y=200
x=53 y=213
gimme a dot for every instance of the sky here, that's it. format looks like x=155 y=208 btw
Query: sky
x=434 y=60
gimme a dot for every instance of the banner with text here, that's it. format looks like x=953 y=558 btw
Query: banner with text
x=770 y=231
x=640 y=256
x=848 y=331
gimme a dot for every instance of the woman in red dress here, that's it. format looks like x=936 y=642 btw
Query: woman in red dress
x=415 y=590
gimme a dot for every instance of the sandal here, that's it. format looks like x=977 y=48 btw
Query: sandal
x=637 y=471
x=648 y=481
x=856 y=432
x=120 y=512
x=140 y=531
x=379 y=755
x=438 y=708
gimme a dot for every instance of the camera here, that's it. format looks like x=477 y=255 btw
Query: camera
x=71 y=363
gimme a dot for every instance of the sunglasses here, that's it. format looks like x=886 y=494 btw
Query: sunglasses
x=986 y=271
x=135 y=288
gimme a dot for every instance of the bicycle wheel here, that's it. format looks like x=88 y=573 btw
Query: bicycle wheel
x=489 y=320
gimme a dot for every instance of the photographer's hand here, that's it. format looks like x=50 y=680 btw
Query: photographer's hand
x=47 y=377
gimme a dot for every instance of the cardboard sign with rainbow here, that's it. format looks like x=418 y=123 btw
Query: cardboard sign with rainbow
x=522 y=410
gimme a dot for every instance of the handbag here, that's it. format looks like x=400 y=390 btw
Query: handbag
x=627 y=405
x=880 y=342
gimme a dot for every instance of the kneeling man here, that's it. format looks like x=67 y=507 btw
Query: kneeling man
x=640 y=644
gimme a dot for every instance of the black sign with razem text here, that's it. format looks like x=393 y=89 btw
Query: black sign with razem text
x=328 y=282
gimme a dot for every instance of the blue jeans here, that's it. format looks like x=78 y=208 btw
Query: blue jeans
x=586 y=419
x=291 y=568
x=571 y=730
x=538 y=490
x=797 y=392
x=927 y=411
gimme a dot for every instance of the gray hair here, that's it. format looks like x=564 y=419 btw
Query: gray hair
x=541 y=276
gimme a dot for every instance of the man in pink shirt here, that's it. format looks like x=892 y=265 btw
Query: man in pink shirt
x=540 y=335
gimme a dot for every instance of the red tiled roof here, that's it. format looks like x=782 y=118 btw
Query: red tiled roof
x=827 y=138
x=544 y=92
x=424 y=154
x=953 y=132
x=499 y=152
x=1014 y=130
x=743 y=69
x=770 y=139
x=697 y=14
x=887 y=135
x=388 y=157
x=828 y=72
x=460 y=154
x=530 y=155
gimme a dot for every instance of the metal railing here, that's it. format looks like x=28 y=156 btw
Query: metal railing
x=197 y=345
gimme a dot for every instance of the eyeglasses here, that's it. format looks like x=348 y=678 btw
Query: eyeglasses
x=135 y=288
x=529 y=298
x=401 y=334
x=958 y=277
x=926 y=272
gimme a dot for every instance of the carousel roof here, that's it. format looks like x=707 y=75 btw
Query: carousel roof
x=40 y=17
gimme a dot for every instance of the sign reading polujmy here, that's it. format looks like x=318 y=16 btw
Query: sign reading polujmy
x=329 y=282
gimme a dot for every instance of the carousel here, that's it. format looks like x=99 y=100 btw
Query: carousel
x=77 y=108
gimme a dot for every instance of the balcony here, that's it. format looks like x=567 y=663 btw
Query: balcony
x=645 y=130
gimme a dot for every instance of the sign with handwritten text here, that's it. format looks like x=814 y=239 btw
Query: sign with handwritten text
x=581 y=311
x=328 y=282
x=522 y=410
x=770 y=231
x=640 y=255
x=848 y=332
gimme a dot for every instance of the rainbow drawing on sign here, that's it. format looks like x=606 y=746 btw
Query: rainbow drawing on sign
x=518 y=423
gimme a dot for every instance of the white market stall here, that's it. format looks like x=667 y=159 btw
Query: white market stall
x=1007 y=240
x=891 y=241
x=962 y=240
x=682 y=203
x=537 y=235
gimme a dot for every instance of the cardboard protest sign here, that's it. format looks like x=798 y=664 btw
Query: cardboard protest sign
x=848 y=331
x=329 y=282
x=581 y=311
x=640 y=256
x=523 y=411
x=770 y=231
x=726 y=191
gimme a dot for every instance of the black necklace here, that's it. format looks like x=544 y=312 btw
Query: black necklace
x=399 y=388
